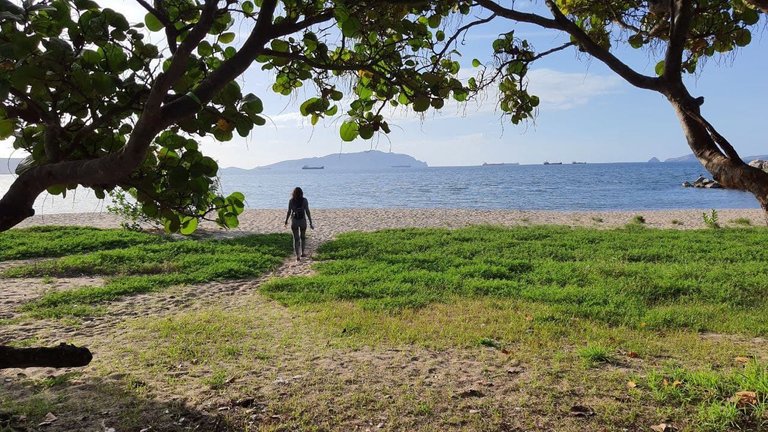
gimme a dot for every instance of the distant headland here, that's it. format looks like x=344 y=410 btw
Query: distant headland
x=371 y=159
x=692 y=158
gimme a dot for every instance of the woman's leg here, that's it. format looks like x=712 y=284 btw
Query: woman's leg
x=303 y=228
x=296 y=239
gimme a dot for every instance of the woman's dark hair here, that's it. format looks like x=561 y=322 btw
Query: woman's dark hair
x=297 y=194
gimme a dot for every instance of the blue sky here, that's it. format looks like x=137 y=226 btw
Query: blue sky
x=587 y=114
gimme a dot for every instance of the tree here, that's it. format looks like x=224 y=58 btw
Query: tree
x=96 y=105
x=686 y=31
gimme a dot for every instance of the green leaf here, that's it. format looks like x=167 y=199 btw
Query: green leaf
x=227 y=37
x=204 y=49
x=188 y=226
x=230 y=220
x=153 y=24
x=421 y=104
x=247 y=7
x=476 y=63
x=636 y=41
x=348 y=131
x=350 y=27
x=434 y=21
x=366 y=132
x=6 y=128
x=279 y=45
x=660 y=68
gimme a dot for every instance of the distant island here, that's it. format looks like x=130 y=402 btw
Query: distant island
x=371 y=159
x=692 y=158
x=654 y=160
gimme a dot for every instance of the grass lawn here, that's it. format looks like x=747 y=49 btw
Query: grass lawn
x=481 y=328
x=132 y=263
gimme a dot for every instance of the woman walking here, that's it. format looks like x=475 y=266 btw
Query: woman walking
x=298 y=211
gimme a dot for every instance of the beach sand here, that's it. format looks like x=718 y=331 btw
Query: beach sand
x=330 y=222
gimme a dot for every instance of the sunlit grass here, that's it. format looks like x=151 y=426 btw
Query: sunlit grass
x=703 y=280
x=137 y=263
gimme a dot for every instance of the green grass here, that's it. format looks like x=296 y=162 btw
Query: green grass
x=713 y=392
x=702 y=280
x=742 y=221
x=138 y=263
x=593 y=355
x=56 y=241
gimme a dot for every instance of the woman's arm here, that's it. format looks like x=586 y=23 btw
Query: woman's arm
x=287 y=215
x=309 y=216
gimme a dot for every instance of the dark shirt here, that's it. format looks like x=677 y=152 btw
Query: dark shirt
x=297 y=210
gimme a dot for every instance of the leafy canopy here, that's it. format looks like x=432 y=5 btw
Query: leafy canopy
x=77 y=83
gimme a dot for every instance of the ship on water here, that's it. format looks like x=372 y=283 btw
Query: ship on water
x=313 y=167
x=552 y=163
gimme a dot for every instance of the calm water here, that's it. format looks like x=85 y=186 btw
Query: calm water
x=618 y=186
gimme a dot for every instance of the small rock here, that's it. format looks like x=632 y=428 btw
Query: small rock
x=663 y=427
x=48 y=419
x=474 y=411
x=514 y=370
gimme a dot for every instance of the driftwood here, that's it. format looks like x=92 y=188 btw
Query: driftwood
x=61 y=356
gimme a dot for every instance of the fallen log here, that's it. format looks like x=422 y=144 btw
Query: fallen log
x=64 y=355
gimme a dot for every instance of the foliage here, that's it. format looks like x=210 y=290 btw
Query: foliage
x=141 y=263
x=84 y=91
x=711 y=220
x=648 y=279
x=129 y=211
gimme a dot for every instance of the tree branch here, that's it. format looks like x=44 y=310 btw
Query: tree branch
x=681 y=12
x=602 y=54
x=514 y=15
x=57 y=357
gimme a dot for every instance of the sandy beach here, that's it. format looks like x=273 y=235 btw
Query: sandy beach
x=330 y=222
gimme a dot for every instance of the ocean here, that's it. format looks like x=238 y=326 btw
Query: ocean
x=567 y=187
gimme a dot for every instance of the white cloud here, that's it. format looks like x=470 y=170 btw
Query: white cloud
x=564 y=90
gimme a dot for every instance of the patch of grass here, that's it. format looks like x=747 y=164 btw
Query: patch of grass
x=56 y=241
x=597 y=219
x=741 y=221
x=217 y=379
x=638 y=219
x=139 y=263
x=714 y=395
x=58 y=380
x=593 y=355
x=676 y=222
x=703 y=280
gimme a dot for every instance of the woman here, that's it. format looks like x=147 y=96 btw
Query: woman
x=298 y=211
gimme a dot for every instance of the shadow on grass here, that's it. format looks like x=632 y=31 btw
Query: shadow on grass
x=118 y=402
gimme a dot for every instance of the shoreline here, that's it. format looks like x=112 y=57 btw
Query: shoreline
x=329 y=222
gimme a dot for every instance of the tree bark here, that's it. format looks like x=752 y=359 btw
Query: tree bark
x=63 y=355
x=731 y=172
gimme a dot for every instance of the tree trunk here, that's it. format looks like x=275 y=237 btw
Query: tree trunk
x=731 y=171
x=56 y=357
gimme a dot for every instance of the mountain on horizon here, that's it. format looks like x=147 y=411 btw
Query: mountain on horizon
x=692 y=158
x=370 y=159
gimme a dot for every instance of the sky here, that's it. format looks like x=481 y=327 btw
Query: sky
x=587 y=112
